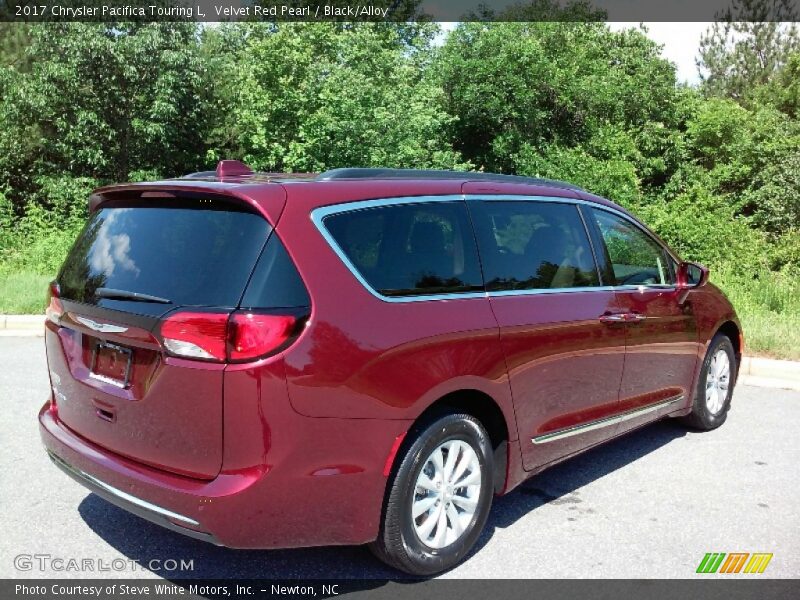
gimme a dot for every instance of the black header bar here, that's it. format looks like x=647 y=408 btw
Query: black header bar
x=395 y=10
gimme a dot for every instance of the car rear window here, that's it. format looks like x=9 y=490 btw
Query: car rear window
x=199 y=253
x=410 y=249
x=533 y=245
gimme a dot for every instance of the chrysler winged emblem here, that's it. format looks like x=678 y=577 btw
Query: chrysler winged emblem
x=101 y=327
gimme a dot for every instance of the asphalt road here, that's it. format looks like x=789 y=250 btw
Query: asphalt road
x=649 y=505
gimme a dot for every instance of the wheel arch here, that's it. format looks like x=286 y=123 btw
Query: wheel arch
x=734 y=332
x=482 y=407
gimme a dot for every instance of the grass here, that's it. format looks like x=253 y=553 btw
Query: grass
x=769 y=308
x=22 y=293
x=775 y=336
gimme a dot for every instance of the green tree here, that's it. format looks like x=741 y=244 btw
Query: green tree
x=316 y=96
x=783 y=90
x=561 y=99
x=747 y=46
x=14 y=39
x=104 y=101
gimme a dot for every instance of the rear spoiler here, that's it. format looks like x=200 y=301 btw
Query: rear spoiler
x=266 y=200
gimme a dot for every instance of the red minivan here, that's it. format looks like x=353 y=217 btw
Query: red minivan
x=366 y=356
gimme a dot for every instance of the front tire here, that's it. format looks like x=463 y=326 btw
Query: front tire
x=712 y=398
x=438 y=498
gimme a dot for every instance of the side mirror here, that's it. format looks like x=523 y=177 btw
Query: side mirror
x=692 y=275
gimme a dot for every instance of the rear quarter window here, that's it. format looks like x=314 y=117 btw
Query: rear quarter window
x=275 y=282
x=410 y=249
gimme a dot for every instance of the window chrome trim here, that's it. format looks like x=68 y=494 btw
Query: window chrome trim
x=538 y=291
x=605 y=422
x=319 y=214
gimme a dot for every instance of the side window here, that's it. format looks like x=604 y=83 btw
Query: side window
x=410 y=249
x=275 y=282
x=533 y=245
x=636 y=258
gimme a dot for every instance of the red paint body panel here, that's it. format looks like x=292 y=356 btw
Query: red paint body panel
x=267 y=199
x=296 y=449
x=284 y=480
x=365 y=358
x=661 y=352
x=154 y=420
x=565 y=365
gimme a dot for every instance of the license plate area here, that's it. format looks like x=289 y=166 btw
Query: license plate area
x=111 y=364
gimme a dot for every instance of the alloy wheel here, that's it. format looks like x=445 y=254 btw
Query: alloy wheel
x=446 y=494
x=718 y=381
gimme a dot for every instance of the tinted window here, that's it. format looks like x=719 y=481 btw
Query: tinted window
x=410 y=249
x=636 y=258
x=275 y=282
x=194 y=256
x=533 y=245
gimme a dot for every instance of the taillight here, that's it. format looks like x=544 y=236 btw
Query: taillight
x=221 y=337
x=252 y=335
x=196 y=335
x=54 y=308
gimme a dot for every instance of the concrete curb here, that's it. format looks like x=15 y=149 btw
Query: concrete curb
x=768 y=372
x=21 y=325
x=754 y=370
x=21 y=322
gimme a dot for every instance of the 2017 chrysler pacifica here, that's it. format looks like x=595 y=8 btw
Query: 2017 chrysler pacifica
x=367 y=356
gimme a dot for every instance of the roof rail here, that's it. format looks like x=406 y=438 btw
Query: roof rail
x=382 y=173
x=200 y=175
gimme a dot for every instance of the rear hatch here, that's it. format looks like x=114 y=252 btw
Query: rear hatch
x=137 y=264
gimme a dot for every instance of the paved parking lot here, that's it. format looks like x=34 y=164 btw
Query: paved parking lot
x=648 y=505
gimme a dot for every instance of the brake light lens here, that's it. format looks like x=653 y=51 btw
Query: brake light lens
x=54 y=308
x=252 y=335
x=196 y=335
x=221 y=337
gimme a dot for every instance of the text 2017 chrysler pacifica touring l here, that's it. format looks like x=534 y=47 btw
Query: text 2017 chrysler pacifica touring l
x=367 y=356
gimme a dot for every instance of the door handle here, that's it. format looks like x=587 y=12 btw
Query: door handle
x=610 y=319
x=625 y=317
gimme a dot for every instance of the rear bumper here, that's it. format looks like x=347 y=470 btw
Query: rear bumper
x=300 y=502
x=142 y=508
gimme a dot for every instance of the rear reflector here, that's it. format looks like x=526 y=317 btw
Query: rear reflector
x=54 y=308
x=220 y=337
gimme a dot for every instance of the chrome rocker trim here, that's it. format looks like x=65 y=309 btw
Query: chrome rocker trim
x=600 y=423
x=141 y=508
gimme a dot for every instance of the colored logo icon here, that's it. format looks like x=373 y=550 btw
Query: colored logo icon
x=734 y=562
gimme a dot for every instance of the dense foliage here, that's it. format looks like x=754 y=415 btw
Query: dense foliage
x=715 y=170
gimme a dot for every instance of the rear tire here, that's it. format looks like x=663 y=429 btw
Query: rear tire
x=439 y=496
x=712 y=398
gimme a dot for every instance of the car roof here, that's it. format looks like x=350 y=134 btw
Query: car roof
x=379 y=173
x=354 y=184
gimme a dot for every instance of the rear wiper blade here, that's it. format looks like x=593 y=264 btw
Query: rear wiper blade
x=103 y=292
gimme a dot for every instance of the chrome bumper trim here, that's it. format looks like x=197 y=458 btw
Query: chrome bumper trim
x=600 y=423
x=142 y=508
